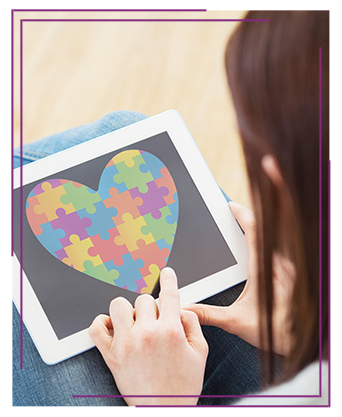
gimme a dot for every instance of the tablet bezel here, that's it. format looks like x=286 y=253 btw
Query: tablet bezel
x=53 y=350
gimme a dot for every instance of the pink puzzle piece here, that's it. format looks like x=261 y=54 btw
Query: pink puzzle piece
x=107 y=249
x=123 y=202
x=150 y=254
x=35 y=219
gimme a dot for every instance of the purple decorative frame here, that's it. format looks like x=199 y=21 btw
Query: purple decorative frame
x=21 y=182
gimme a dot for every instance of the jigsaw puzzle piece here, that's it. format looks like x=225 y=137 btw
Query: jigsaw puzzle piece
x=123 y=202
x=61 y=254
x=152 y=200
x=130 y=232
x=166 y=181
x=54 y=183
x=81 y=197
x=174 y=209
x=100 y=272
x=162 y=244
x=126 y=157
x=68 y=262
x=32 y=194
x=108 y=250
x=50 y=199
x=129 y=272
x=107 y=182
x=72 y=224
x=151 y=279
x=101 y=219
x=131 y=176
x=77 y=253
x=150 y=254
x=35 y=220
x=50 y=238
x=140 y=285
x=152 y=165
x=160 y=228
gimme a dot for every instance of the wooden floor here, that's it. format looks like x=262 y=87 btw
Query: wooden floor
x=76 y=72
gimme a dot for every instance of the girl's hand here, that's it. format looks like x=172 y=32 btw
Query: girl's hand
x=242 y=317
x=153 y=352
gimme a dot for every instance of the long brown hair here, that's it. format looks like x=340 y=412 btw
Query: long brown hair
x=273 y=70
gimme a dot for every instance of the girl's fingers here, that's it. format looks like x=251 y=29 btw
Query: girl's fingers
x=122 y=314
x=99 y=331
x=193 y=331
x=146 y=309
x=209 y=315
x=169 y=300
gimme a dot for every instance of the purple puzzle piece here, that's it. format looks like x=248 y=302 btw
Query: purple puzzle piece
x=140 y=285
x=61 y=254
x=152 y=200
x=71 y=224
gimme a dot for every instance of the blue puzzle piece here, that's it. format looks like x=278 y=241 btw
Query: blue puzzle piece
x=174 y=209
x=101 y=220
x=128 y=272
x=50 y=238
x=162 y=244
x=29 y=196
x=107 y=182
x=152 y=164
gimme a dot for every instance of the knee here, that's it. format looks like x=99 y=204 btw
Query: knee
x=122 y=118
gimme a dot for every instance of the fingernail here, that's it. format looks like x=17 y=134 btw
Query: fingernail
x=167 y=269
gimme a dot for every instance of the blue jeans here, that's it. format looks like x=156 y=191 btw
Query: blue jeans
x=232 y=365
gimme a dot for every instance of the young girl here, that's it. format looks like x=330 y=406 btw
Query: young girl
x=278 y=75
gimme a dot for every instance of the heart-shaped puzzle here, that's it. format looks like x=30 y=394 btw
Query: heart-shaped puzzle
x=122 y=233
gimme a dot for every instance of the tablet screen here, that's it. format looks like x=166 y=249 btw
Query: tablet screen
x=72 y=299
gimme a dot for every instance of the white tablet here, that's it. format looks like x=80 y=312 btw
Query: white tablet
x=101 y=219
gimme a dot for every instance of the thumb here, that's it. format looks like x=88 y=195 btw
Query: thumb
x=208 y=315
x=246 y=220
x=193 y=331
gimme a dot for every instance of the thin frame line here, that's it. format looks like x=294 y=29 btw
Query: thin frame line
x=234 y=405
x=320 y=221
x=329 y=289
x=109 y=10
x=194 y=396
x=145 y=20
x=21 y=169
x=12 y=133
x=21 y=194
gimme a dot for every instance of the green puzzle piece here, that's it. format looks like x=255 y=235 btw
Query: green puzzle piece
x=132 y=176
x=80 y=197
x=160 y=228
x=100 y=272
